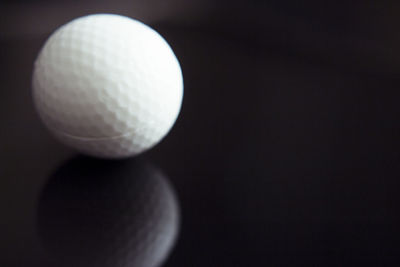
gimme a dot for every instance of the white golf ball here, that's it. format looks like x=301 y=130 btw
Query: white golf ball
x=107 y=85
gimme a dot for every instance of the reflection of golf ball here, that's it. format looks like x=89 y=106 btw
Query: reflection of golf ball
x=107 y=85
x=95 y=213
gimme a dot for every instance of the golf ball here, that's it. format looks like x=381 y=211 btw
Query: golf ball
x=107 y=85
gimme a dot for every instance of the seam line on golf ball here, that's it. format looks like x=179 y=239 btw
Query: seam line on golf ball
x=88 y=139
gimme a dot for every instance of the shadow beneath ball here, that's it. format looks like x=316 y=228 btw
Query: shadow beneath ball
x=108 y=213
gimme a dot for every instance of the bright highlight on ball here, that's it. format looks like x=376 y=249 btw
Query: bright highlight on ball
x=107 y=85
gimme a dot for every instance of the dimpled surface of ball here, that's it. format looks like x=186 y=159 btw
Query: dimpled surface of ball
x=107 y=85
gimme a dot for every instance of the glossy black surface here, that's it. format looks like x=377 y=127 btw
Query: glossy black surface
x=278 y=158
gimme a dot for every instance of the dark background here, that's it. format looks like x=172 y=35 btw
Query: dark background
x=287 y=146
